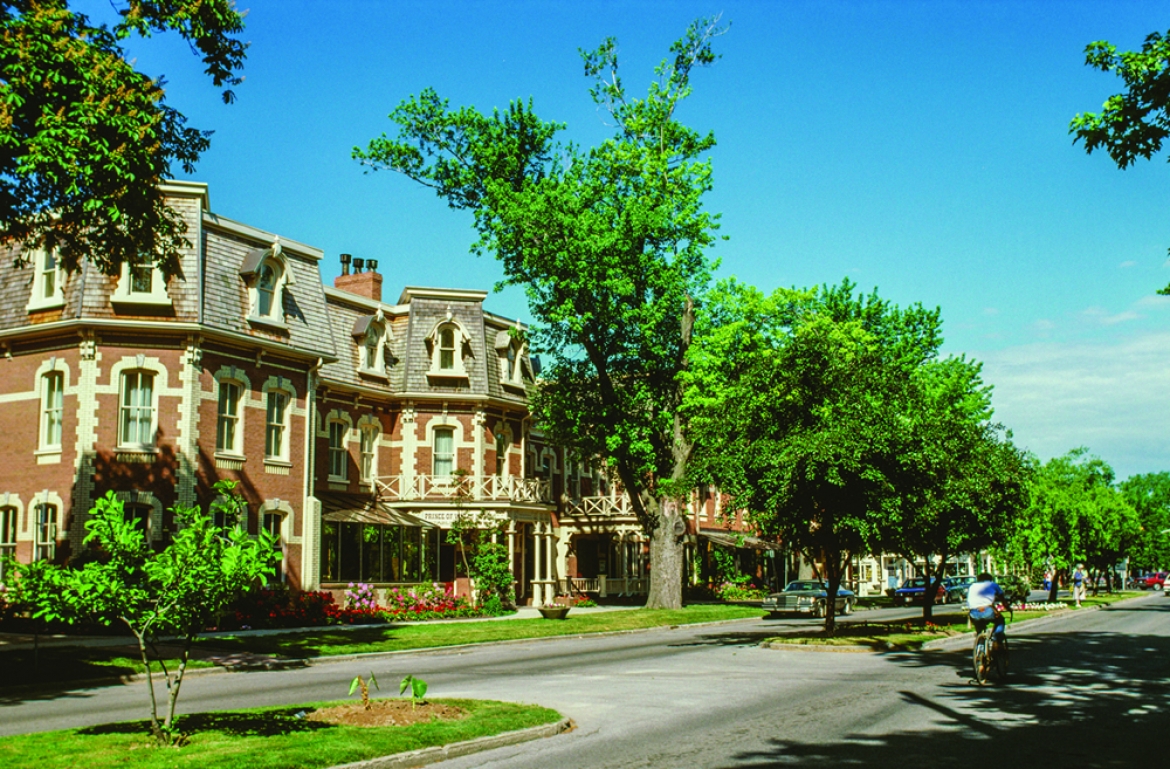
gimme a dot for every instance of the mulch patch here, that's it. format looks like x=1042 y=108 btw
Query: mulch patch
x=387 y=713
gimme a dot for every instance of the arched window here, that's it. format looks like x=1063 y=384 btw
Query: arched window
x=266 y=290
x=447 y=348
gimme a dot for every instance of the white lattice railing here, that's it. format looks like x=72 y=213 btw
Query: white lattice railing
x=608 y=506
x=450 y=487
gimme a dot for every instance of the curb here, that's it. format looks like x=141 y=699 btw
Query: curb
x=843 y=649
x=456 y=749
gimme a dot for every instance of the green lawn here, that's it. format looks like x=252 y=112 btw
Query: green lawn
x=260 y=738
x=329 y=642
x=61 y=664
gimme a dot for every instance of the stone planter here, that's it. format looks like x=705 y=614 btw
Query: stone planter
x=554 y=612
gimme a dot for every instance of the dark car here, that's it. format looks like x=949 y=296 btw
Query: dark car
x=957 y=588
x=913 y=589
x=1017 y=589
x=808 y=596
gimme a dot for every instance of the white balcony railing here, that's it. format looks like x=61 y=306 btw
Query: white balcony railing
x=606 y=586
x=609 y=506
x=467 y=488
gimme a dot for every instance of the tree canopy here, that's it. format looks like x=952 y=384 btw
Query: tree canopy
x=798 y=406
x=1131 y=124
x=1076 y=515
x=609 y=244
x=85 y=139
x=1149 y=494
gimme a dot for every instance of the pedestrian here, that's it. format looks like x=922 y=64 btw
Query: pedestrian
x=1078 y=580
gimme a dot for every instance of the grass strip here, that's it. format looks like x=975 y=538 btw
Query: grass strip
x=64 y=664
x=261 y=738
x=326 y=642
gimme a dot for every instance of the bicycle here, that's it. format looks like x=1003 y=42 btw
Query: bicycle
x=985 y=659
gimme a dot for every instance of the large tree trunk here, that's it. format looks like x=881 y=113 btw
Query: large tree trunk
x=834 y=573
x=666 y=557
x=1052 y=588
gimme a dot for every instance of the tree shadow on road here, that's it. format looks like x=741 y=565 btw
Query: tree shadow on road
x=1073 y=699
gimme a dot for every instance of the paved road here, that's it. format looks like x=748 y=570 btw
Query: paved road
x=1087 y=690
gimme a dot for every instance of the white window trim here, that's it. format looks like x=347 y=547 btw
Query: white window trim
x=37 y=300
x=459 y=367
x=285 y=426
x=275 y=258
x=55 y=535
x=145 y=499
x=341 y=450
x=453 y=457
x=380 y=327
x=124 y=294
x=236 y=450
x=370 y=426
x=155 y=386
x=51 y=366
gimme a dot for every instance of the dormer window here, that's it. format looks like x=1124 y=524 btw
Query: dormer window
x=47 y=282
x=511 y=350
x=372 y=335
x=447 y=347
x=141 y=282
x=267 y=275
x=266 y=290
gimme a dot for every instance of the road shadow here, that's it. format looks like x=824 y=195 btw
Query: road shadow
x=1072 y=699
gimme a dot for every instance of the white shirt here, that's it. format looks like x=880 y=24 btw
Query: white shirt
x=983 y=594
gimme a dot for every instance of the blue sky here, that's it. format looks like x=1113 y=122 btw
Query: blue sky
x=919 y=147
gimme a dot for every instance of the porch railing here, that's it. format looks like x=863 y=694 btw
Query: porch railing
x=606 y=586
x=609 y=506
x=453 y=487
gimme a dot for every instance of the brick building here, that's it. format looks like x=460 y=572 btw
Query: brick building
x=356 y=429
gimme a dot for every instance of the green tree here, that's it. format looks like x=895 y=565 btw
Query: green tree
x=85 y=139
x=1149 y=494
x=797 y=407
x=960 y=479
x=178 y=591
x=609 y=245
x=1076 y=516
x=1131 y=124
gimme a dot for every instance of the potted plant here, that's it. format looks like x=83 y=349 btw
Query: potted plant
x=558 y=609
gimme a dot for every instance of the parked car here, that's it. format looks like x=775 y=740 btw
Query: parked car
x=957 y=588
x=913 y=589
x=1155 y=581
x=808 y=597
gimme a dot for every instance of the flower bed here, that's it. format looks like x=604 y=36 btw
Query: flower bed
x=277 y=606
x=729 y=591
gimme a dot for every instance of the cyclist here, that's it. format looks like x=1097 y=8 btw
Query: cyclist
x=983 y=598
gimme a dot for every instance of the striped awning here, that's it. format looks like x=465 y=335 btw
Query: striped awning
x=731 y=539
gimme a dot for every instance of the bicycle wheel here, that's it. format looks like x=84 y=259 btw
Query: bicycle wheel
x=1001 y=660
x=979 y=660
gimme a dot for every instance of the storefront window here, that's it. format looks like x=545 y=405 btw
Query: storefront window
x=369 y=552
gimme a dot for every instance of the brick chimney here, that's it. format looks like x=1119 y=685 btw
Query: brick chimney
x=365 y=280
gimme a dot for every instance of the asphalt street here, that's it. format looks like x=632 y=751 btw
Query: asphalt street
x=1086 y=689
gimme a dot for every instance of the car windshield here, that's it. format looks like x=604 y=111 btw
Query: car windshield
x=804 y=586
x=916 y=582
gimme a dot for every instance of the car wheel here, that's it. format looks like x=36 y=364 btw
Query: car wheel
x=1158 y=587
x=847 y=608
x=818 y=609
